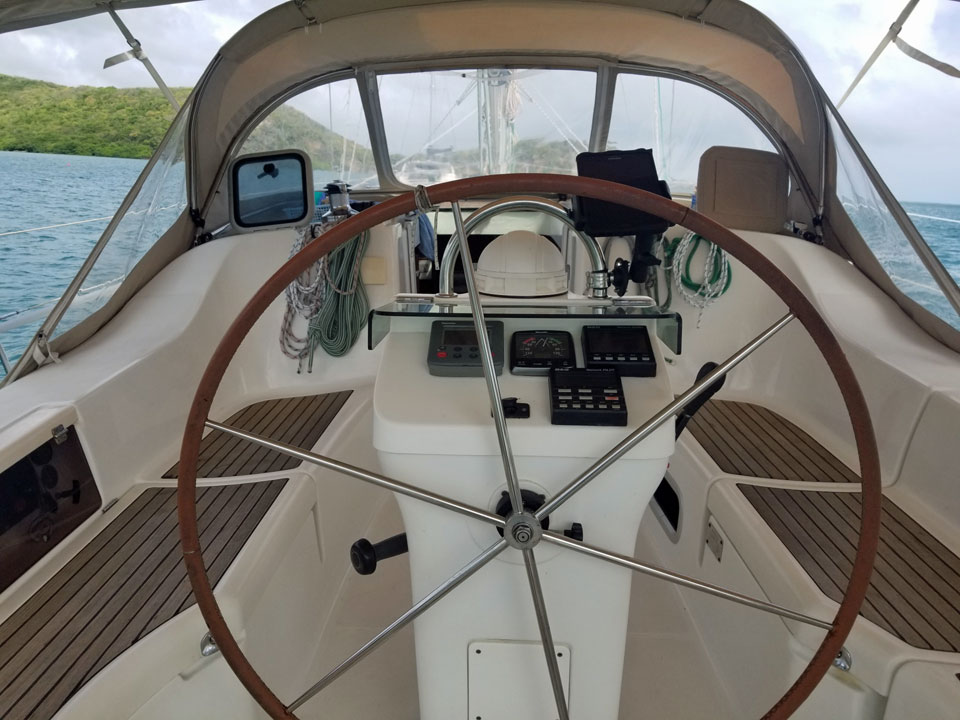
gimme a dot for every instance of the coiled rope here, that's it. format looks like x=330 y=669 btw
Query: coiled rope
x=343 y=313
x=677 y=257
x=330 y=295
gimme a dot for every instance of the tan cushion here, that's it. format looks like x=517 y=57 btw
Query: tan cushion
x=743 y=189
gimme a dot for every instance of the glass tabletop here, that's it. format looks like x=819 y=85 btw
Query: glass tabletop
x=668 y=324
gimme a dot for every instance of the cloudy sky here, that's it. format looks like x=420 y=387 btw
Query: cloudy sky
x=905 y=114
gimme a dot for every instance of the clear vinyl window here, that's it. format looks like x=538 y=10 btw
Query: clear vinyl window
x=448 y=124
x=329 y=125
x=160 y=201
x=882 y=234
x=678 y=121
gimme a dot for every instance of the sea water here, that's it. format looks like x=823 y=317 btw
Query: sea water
x=43 y=190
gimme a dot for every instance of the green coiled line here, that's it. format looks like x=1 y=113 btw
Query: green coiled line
x=343 y=314
x=670 y=249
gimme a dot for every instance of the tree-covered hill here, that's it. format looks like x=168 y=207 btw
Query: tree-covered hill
x=37 y=116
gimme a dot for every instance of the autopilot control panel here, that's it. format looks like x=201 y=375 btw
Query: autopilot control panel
x=588 y=394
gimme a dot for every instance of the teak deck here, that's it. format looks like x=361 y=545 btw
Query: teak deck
x=914 y=591
x=126 y=582
x=298 y=421
x=750 y=440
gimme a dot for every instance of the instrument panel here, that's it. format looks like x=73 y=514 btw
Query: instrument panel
x=535 y=352
x=590 y=393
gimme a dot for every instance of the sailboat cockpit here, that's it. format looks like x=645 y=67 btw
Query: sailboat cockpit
x=483 y=359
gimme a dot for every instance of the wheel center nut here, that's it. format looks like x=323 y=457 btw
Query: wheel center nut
x=523 y=533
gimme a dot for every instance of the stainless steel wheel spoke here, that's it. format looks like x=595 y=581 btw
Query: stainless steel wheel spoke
x=549 y=651
x=667 y=413
x=424 y=604
x=676 y=578
x=489 y=372
x=360 y=474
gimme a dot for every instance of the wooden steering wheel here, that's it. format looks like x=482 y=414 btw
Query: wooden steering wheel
x=799 y=306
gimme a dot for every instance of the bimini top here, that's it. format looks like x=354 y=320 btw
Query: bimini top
x=721 y=42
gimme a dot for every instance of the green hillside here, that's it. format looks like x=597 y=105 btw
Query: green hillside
x=43 y=117
x=39 y=116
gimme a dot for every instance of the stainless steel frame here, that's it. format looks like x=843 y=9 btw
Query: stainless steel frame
x=453 y=250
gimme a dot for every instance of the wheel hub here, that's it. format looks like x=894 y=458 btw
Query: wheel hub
x=522 y=531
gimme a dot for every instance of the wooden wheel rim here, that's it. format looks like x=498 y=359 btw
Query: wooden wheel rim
x=493 y=185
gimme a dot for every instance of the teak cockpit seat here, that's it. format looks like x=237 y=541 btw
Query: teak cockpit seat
x=914 y=592
x=130 y=578
x=127 y=581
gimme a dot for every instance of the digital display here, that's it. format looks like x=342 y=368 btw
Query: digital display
x=536 y=351
x=543 y=346
x=459 y=336
x=620 y=340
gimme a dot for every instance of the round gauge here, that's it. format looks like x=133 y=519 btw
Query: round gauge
x=536 y=351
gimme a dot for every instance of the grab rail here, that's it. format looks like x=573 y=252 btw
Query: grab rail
x=597 y=278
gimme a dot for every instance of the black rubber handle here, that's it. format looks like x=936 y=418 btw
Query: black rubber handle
x=364 y=555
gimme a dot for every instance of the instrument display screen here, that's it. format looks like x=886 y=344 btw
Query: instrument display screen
x=625 y=347
x=620 y=340
x=459 y=336
x=543 y=345
x=536 y=351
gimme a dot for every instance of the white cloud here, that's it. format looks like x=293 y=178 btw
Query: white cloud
x=179 y=39
x=903 y=112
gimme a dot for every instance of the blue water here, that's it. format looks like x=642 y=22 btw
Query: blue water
x=41 y=190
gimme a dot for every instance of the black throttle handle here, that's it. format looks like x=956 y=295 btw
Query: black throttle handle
x=364 y=555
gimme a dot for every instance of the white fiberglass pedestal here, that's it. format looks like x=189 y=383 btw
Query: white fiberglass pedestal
x=437 y=433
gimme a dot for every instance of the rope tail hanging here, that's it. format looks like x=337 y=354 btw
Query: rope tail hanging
x=329 y=294
x=717 y=276
x=305 y=297
x=343 y=313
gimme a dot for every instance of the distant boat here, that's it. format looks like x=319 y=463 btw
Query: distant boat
x=426 y=172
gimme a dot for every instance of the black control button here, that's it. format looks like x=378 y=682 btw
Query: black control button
x=458 y=355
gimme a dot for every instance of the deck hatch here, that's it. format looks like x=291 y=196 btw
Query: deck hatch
x=44 y=497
